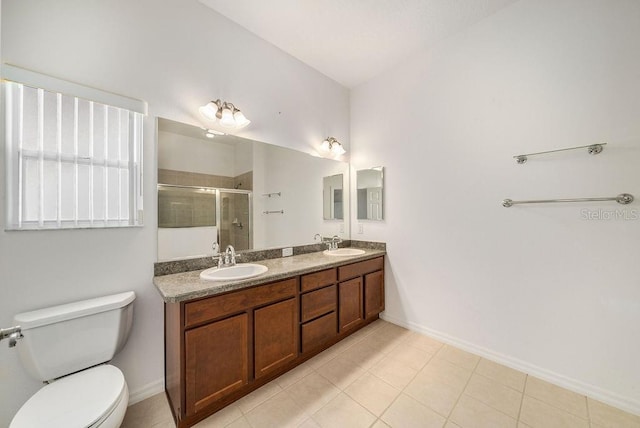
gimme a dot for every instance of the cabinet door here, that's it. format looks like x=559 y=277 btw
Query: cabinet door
x=373 y=294
x=276 y=338
x=350 y=303
x=216 y=358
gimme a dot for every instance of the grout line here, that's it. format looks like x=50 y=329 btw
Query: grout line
x=524 y=388
x=586 y=402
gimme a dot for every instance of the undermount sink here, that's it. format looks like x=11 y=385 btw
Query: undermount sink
x=231 y=273
x=344 y=252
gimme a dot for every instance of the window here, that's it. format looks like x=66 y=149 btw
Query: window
x=73 y=154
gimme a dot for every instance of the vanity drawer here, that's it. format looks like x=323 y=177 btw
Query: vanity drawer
x=318 y=302
x=319 y=331
x=237 y=301
x=360 y=268
x=317 y=279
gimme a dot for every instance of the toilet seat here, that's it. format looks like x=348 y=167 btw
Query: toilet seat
x=84 y=399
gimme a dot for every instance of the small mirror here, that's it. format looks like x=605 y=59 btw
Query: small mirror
x=332 y=200
x=369 y=193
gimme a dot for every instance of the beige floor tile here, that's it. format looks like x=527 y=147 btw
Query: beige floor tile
x=505 y=375
x=470 y=412
x=434 y=393
x=423 y=342
x=309 y=423
x=494 y=394
x=164 y=424
x=294 y=375
x=458 y=357
x=537 y=414
x=447 y=372
x=323 y=358
x=406 y=412
x=363 y=355
x=372 y=393
x=451 y=425
x=152 y=411
x=257 y=397
x=380 y=424
x=556 y=396
x=394 y=372
x=341 y=372
x=239 y=423
x=342 y=412
x=312 y=392
x=609 y=417
x=412 y=357
x=221 y=418
x=278 y=411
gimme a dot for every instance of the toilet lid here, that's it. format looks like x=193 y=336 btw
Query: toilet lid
x=78 y=400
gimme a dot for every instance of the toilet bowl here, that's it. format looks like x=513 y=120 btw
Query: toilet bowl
x=68 y=346
x=95 y=397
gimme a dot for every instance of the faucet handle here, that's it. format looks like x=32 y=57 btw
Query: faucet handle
x=216 y=248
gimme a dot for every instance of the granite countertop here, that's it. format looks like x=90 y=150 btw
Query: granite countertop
x=184 y=286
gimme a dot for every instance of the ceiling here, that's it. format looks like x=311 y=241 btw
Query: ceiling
x=351 y=41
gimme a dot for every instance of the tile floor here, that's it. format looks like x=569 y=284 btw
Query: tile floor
x=387 y=376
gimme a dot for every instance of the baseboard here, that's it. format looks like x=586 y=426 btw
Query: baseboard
x=608 y=397
x=146 y=391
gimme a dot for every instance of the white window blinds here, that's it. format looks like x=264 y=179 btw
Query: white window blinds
x=72 y=162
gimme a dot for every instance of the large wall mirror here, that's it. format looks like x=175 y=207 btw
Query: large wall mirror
x=241 y=192
x=370 y=192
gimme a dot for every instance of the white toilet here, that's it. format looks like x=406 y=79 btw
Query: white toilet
x=66 y=346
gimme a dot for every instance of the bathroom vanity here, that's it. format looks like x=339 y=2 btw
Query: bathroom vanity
x=224 y=340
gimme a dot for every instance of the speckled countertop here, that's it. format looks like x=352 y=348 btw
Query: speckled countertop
x=183 y=286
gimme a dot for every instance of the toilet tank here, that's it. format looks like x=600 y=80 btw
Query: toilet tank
x=64 y=339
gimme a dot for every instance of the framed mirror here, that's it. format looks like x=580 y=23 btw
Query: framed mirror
x=332 y=197
x=240 y=192
x=370 y=194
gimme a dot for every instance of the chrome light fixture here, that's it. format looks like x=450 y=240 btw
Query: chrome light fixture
x=333 y=146
x=225 y=113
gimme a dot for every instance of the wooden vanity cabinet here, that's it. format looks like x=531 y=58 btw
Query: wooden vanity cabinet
x=220 y=348
x=318 y=304
x=361 y=292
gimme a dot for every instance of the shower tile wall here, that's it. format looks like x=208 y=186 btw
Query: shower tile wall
x=244 y=181
x=184 y=178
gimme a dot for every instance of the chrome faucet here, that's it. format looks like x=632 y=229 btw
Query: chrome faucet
x=229 y=256
x=334 y=242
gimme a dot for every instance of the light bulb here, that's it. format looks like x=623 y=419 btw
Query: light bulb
x=337 y=149
x=326 y=146
x=209 y=111
x=227 y=118
x=240 y=119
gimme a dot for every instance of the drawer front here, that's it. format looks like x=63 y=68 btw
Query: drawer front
x=317 y=279
x=319 y=331
x=360 y=268
x=318 y=302
x=219 y=306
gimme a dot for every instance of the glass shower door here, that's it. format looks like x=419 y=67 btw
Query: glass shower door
x=235 y=219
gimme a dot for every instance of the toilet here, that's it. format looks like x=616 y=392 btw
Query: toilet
x=67 y=347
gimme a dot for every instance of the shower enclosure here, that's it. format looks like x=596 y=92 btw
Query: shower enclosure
x=190 y=218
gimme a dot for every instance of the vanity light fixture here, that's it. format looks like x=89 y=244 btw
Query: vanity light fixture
x=333 y=146
x=225 y=113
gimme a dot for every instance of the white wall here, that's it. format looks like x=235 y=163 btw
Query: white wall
x=537 y=287
x=176 y=55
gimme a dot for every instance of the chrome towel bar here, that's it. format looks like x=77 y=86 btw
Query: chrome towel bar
x=623 y=198
x=273 y=212
x=593 y=149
